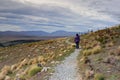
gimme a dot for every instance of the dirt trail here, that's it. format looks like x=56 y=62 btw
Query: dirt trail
x=67 y=70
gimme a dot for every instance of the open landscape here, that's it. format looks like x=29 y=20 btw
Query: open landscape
x=98 y=59
x=59 y=40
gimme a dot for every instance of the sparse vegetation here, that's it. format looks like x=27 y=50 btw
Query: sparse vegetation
x=100 y=54
x=20 y=57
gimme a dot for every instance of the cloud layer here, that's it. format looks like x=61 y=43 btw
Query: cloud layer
x=52 y=15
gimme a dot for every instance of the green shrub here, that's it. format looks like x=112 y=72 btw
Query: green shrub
x=34 y=70
x=1 y=58
x=22 y=78
x=99 y=76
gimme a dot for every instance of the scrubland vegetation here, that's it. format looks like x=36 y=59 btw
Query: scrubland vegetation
x=27 y=61
x=99 y=58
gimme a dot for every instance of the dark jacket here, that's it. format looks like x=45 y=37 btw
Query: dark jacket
x=77 y=39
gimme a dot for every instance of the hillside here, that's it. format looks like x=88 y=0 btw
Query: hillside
x=99 y=58
x=35 y=33
x=25 y=61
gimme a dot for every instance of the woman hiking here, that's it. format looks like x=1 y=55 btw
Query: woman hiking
x=77 y=40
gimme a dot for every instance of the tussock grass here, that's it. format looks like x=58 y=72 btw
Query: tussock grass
x=99 y=76
x=23 y=56
x=105 y=42
x=115 y=52
x=34 y=70
x=94 y=50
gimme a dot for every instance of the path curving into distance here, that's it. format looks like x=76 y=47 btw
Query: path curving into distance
x=68 y=69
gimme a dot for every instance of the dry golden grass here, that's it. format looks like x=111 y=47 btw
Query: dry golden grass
x=94 y=50
x=2 y=76
x=105 y=42
x=110 y=44
x=89 y=73
x=41 y=58
x=7 y=78
x=43 y=53
x=4 y=71
x=13 y=67
x=115 y=52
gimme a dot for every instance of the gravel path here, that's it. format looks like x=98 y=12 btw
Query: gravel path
x=67 y=70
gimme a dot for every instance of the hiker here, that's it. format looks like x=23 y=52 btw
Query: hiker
x=77 y=40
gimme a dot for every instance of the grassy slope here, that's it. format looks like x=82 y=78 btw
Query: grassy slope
x=23 y=56
x=100 y=55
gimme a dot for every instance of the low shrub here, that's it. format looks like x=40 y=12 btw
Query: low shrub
x=94 y=50
x=1 y=58
x=99 y=76
x=110 y=44
x=6 y=69
x=85 y=59
x=34 y=70
x=115 y=52
x=22 y=78
x=87 y=52
x=118 y=51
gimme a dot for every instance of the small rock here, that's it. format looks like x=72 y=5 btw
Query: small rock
x=45 y=69
x=108 y=71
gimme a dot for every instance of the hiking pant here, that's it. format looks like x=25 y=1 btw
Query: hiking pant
x=77 y=45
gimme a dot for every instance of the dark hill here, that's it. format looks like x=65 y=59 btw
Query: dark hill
x=36 y=33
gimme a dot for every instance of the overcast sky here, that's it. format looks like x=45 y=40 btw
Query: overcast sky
x=52 y=15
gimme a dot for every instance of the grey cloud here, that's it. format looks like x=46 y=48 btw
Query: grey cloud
x=9 y=4
x=54 y=14
x=109 y=7
x=28 y=15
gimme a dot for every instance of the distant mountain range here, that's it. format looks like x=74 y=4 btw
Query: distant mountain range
x=36 y=33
